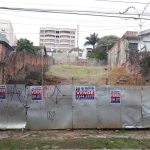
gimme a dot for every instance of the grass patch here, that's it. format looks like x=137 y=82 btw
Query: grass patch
x=74 y=71
x=89 y=143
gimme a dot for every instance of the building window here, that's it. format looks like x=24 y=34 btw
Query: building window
x=72 y=36
x=57 y=32
x=57 y=36
x=42 y=31
x=133 y=46
x=3 y=26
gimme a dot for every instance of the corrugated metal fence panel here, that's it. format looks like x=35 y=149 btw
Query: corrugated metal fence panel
x=108 y=115
x=3 y=110
x=84 y=113
x=131 y=107
x=58 y=103
x=36 y=112
x=60 y=109
x=16 y=110
x=146 y=106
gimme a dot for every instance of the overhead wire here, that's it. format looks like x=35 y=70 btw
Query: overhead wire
x=70 y=12
x=67 y=11
x=116 y=1
x=66 y=5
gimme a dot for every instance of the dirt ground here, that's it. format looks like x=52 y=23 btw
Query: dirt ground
x=73 y=134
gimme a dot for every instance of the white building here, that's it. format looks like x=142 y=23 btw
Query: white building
x=7 y=30
x=57 y=38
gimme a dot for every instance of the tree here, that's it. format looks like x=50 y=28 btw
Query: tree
x=25 y=44
x=105 y=43
x=92 y=40
x=108 y=40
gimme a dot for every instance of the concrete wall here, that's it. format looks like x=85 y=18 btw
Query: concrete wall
x=117 y=56
x=95 y=62
x=64 y=58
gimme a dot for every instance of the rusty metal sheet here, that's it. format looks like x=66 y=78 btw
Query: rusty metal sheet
x=15 y=109
x=131 y=96
x=131 y=116
x=103 y=94
x=3 y=108
x=36 y=111
x=58 y=104
x=109 y=117
x=146 y=106
x=84 y=113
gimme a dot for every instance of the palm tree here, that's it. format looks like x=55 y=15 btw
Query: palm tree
x=91 y=40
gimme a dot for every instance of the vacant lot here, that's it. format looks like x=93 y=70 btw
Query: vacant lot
x=90 y=75
x=77 y=74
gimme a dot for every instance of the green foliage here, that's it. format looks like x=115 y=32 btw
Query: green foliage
x=92 y=40
x=98 y=54
x=108 y=40
x=105 y=43
x=57 y=51
x=25 y=44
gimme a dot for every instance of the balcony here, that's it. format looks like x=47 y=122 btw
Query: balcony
x=65 y=37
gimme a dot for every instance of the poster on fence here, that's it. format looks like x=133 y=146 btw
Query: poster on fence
x=115 y=96
x=36 y=93
x=84 y=92
x=2 y=92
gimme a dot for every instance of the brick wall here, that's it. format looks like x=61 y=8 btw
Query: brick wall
x=16 y=62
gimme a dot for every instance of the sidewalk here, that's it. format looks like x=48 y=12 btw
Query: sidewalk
x=69 y=134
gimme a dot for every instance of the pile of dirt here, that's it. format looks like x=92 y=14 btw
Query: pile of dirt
x=50 y=79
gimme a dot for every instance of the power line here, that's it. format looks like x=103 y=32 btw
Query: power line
x=114 y=1
x=80 y=12
x=69 y=5
x=83 y=21
x=70 y=12
x=85 y=31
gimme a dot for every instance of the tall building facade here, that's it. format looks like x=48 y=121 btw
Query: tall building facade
x=7 y=30
x=57 y=38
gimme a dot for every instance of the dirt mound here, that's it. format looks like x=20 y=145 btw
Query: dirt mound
x=50 y=79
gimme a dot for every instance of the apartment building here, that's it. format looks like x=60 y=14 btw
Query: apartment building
x=7 y=30
x=57 y=38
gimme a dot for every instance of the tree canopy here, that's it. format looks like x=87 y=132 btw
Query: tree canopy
x=92 y=40
x=25 y=44
x=104 y=44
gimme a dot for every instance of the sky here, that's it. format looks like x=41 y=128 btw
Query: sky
x=27 y=24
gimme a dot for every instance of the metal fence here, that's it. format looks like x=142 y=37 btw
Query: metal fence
x=74 y=107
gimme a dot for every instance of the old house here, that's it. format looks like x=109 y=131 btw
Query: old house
x=129 y=42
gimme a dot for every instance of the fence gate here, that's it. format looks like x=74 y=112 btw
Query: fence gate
x=58 y=106
x=108 y=115
x=84 y=107
x=51 y=109
x=12 y=106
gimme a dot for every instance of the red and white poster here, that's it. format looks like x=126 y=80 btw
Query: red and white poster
x=84 y=92
x=115 y=96
x=36 y=93
x=2 y=92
